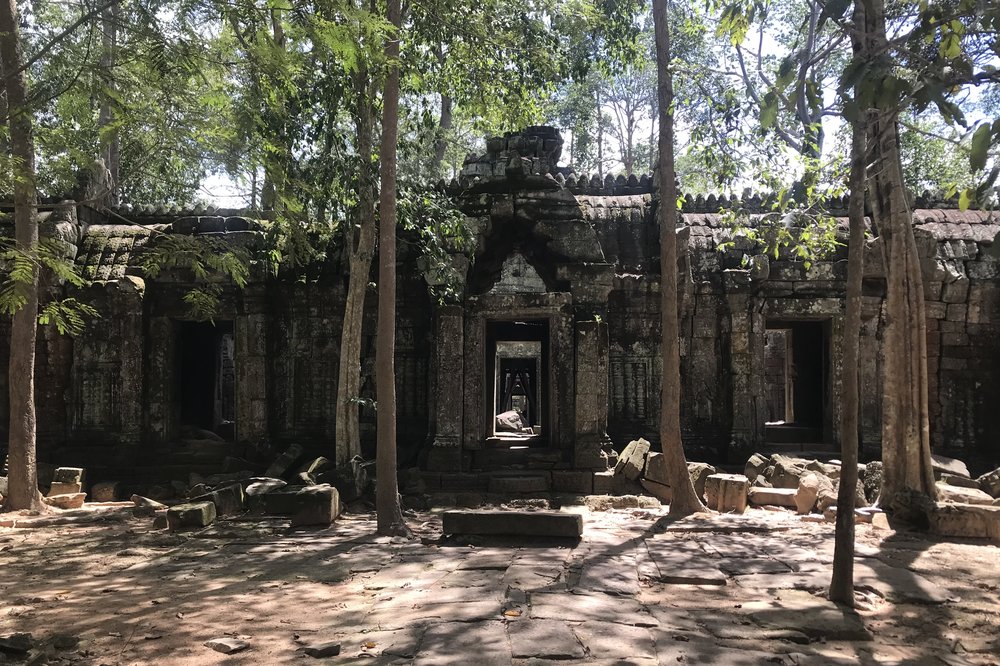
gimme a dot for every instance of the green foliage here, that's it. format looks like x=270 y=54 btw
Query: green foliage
x=441 y=233
x=211 y=262
x=69 y=315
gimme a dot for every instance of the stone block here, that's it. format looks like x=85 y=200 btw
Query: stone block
x=956 y=312
x=632 y=459
x=309 y=472
x=944 y=465
x=285 y=462
x=573 y=481
x=966 y=520
x=815 y=491
x=455 y=483
x=260 y=485
x=69 y=475
x=960 y=481
x=755 y=466
x=534 y=483
x=318 y=505
x=351 y=479
x=656 y=469
x=727 y=492
x=513 y=523
x=955 y=292
x=64 y=488
x=773 y=496
x=936 y=310
x=699 y=473
x=106 y=491
x=191 y=515
x=660 y=491
x=604 y=483
x=228 y=500
x=956 y=494
x=990 y=482
x=66 y=501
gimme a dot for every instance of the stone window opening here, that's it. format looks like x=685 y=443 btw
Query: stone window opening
x=796 y=378
x=206 y=377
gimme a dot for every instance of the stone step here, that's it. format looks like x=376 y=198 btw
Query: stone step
x=520 y=483
x=513 y=523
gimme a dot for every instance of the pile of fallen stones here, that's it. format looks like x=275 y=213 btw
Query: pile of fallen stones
x=308 y=491
x=965 y=507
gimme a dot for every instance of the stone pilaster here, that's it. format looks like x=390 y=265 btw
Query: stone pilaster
x=747 y=392
x=591 y=408
x=445 y=454
x=251 y=376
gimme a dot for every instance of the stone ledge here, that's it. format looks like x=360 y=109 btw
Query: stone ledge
x=513 y=523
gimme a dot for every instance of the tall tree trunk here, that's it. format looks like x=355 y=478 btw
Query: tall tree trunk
x=389 y=512
x=842 y=582
x=684 y=500
x=361 y=247
x=23 y=470
x=110 y=141
x=906 y=453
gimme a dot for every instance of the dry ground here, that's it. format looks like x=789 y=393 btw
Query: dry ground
x=635 y=590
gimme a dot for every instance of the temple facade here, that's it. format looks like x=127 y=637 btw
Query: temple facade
x=556 y=322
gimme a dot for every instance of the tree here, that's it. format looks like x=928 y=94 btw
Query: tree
x=842 y=583
x=387 y=506
x=23 y=299
x=684 y=500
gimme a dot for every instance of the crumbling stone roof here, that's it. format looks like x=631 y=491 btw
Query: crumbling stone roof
x=108 y=250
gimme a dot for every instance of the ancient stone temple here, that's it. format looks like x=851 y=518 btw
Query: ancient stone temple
x=556 y=330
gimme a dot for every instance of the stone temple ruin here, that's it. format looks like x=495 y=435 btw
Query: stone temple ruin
x=558 y=321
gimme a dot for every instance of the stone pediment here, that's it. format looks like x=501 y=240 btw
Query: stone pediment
x=518 y=276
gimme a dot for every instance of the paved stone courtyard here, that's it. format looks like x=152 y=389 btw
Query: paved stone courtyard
x=636 y=589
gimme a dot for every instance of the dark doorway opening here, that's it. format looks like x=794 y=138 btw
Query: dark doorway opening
x=797 y=380
x=517 y=397
x=206 y=375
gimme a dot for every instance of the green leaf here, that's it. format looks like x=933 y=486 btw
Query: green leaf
x=980 y=147
x=965 y=198
x=769 y=110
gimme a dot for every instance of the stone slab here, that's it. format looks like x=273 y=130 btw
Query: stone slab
x=773 y=496
x=69 y=475
x=460 y=644
x=813 y=616
x=966 y=520
x=512 y=523
x=590 y=607
x=959 y=495
x=607 y=640
x=546 y=639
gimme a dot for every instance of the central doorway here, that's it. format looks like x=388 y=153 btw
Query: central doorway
x=206 y=377
x=797 y=381
x=517 y=396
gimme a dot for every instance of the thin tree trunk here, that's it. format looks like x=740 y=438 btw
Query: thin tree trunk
x=23 y=470
x=444 y=127
x=684 y=500
x=600 y=136
x=111 y=142
x=362 y=247
x=842 y=582
x=906 y=451
x=389 y=512
x=444 y=123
